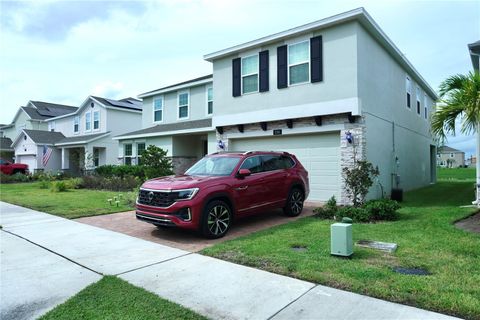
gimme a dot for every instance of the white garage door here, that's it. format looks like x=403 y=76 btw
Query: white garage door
x=318 y=153
x=30 y=160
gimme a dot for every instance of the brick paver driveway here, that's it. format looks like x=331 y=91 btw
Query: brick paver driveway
x=125 y=222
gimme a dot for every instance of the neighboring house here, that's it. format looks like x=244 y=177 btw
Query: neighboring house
x=6 y=150
x=33 y=117
x=330 y=92
x=81 y=139
x=177 y=118
x=450 y=158
x=471 y=162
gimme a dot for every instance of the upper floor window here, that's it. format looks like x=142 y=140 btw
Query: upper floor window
x=76 y=124
x=425 y=109
x=88 y=121
x=418 y=94
x=158 y=109
x=183 y=105
x=51 y=126
x=127 y=154
x=96 y=120
x=250 y=74
x=299 y=62
x=140 y=150
x=408 y=86
x=209 y=100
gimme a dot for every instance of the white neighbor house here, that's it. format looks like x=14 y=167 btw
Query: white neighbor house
x=304 y=91
x=81 y=139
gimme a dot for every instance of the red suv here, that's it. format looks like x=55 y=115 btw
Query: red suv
x=222 y=187
x=12 y=168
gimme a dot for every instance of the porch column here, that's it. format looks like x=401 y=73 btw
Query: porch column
x=89 y=157
x=65 y=159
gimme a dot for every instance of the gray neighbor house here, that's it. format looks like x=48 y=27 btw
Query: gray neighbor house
x=330 y=92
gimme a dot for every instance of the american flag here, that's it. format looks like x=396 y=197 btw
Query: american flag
x=47 y=152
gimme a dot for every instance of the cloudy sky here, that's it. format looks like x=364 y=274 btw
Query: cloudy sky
x=63 y=51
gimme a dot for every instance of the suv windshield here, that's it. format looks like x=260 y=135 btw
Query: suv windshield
x=213 y=166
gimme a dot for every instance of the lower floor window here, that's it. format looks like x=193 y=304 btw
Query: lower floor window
x=127 y=154
x=96 y=157
x=140 y=150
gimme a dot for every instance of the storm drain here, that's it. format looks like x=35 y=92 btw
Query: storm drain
x=412 y=271
x=299 y=248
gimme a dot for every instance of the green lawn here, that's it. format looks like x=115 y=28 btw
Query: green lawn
x=70 y=204
x=426 y=238
x=456 y=174
x=113 y=298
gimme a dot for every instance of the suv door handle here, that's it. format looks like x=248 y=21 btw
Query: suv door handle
x=241 y=188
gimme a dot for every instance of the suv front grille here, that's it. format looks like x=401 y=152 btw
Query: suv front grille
x=156 y=198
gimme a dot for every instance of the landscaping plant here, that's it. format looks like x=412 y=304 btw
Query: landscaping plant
x=156 y=163
x=358 y=180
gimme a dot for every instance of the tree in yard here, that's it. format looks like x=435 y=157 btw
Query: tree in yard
x=459 y=101
x=156 y=163
x=358 y=180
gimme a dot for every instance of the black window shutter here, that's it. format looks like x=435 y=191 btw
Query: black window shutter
x=263 y=57
x=282 y=67
x=316 y=59
x=236 y=77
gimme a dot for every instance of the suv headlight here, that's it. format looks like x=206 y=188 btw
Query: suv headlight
x=184 y=194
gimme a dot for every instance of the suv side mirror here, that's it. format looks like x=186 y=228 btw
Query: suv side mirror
x=243 y=173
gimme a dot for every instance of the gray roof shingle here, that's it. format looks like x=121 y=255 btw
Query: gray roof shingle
x=81 y=139
x=448 y=149
x=181 y=83
x=127 y=103
x=204 y=123
x=44 y=137
x=50 y=110
x=6 y=144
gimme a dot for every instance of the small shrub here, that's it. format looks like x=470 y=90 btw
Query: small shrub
x=358 y=180
x=328 y=211
x=17 y=177
x=73 y=183
x=44 y=184
x=126 y=183
x=357 y=214
x=383 y=209
x=58 y=186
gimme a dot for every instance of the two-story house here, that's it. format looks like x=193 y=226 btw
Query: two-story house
x=81 y=139
x=33 y=117
x=448 y=157
x=177 y=118
x=332 y=91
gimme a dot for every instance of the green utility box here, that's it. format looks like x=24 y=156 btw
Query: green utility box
x=341 y=239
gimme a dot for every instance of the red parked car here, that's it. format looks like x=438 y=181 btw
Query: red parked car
x=222 y=187
x=12 y=168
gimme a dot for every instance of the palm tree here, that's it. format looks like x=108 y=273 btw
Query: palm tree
x=459 y=100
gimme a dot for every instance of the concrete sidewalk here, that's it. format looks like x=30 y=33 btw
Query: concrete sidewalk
x=78 y=254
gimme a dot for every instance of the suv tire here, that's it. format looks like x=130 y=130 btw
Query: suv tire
x=216 y=219
x=294 y=204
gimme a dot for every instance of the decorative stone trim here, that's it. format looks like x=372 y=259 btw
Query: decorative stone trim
x=181 y=164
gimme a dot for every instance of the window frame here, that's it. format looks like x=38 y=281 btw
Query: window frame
x=250 y=74
x=93 y=120
x=125 y=156
x=154 y=110
x=425 y=108
x=179 y=93
x=418 y=105
x=51 y=126
x=139 y=155
x=88 y=120
x=408 y=92
x=206 y=94
x=308 y=61
x=76 y=122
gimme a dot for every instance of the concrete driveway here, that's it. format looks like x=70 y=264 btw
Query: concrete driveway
x=126 y=223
